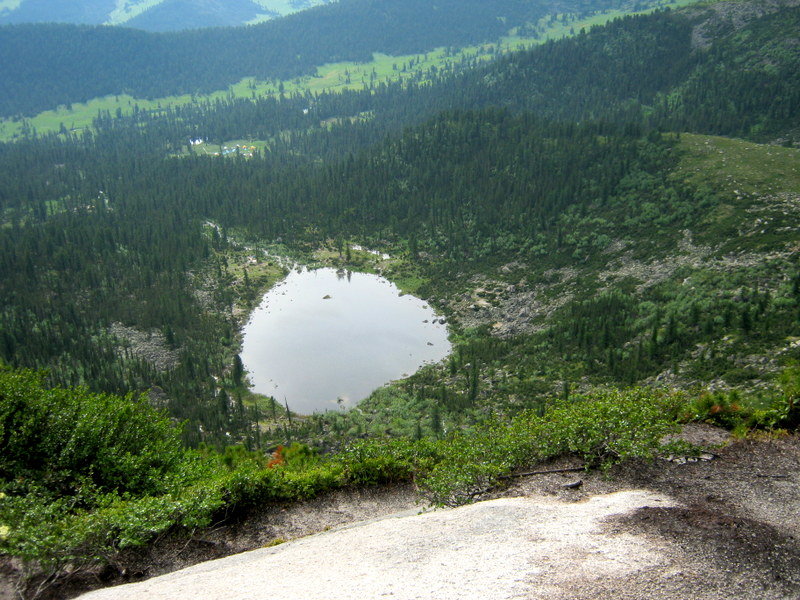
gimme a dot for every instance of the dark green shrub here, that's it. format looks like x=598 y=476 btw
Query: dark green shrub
x=372 y=462
x=603 y=428
x=70 y=439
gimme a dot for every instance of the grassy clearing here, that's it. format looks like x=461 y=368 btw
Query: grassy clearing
x=739 y=167
x=757 y=185
x=231 y=148
x=328 y=78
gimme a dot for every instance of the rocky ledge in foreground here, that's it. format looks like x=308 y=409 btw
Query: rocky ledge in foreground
x=726 y=528
x=531 y=547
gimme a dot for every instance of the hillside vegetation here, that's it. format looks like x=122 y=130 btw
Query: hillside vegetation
x=51 y=67
x=609 y=264
x=569 y=212
x=86 y=475
x=381 y=70
x=152 y=15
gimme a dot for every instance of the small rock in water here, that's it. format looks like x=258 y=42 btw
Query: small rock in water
x=430 y=344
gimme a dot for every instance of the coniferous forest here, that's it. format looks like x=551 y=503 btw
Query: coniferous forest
x=573 y=209
x=474 y=170
x=107 y=227
x=51 y=69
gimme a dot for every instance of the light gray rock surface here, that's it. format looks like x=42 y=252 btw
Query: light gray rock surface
x=533 y=547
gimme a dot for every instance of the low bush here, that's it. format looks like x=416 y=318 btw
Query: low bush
x=372 y=462
x=729 y=409
x=68 y=440
x=603 y=428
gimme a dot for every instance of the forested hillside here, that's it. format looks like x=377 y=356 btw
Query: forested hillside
x=572 y=209
x=462 y=193
x=650 y=79
x=171 y=15
x=151 y=15
x=53 y=11
x=51 y=66
x=178 y=15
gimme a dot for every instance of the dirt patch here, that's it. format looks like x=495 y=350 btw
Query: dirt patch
x=725 y=556
x=734 y=534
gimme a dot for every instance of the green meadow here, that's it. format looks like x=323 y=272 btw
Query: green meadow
x=738 y=166
x=231 y=148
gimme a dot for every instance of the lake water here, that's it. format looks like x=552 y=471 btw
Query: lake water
x=323 y=339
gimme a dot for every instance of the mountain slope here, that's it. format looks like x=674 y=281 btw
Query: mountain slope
x=742 y=80
x=598 y=209
x=152 y=15
x=585 y=256
x=52 y=66
x=172 y=15
x=56 y=11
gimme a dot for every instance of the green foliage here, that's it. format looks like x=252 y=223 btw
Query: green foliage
x=603 y=429
x=742 y=413
x=386 y=461
x=83 y=475
x=612 y=426
x=68 y=440
x=785 y=409
x=101 y=510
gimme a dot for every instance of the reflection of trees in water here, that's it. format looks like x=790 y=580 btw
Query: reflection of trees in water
x=342 y=273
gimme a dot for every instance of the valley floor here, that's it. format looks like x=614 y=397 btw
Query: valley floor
x=724 y=528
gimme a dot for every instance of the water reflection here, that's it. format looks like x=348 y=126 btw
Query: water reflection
x=324 y=339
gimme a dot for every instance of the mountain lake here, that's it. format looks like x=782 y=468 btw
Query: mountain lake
x=324 y=339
